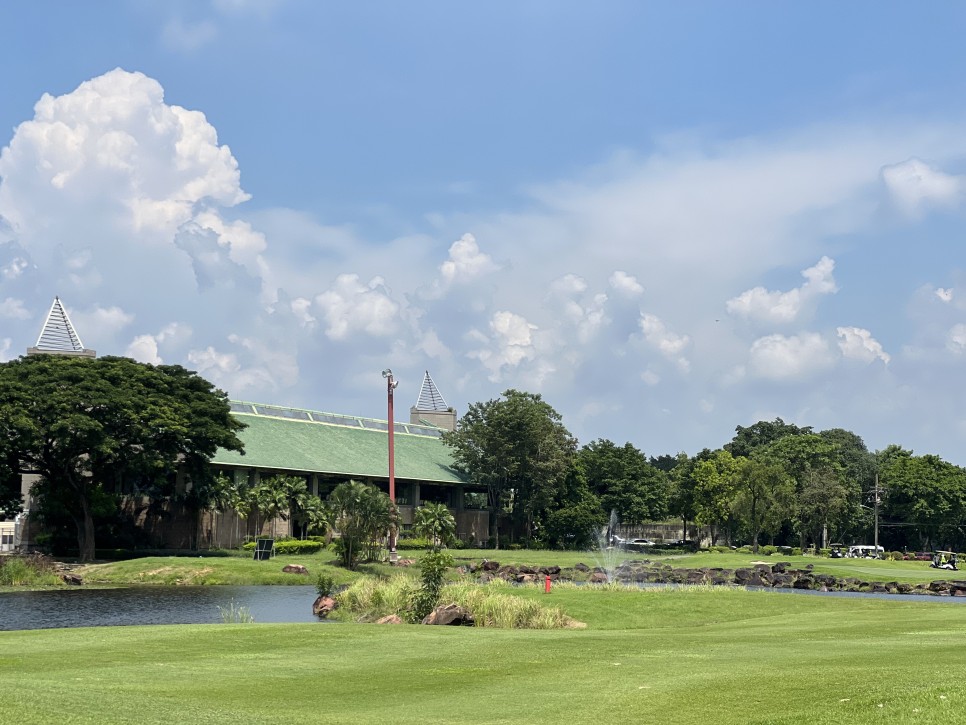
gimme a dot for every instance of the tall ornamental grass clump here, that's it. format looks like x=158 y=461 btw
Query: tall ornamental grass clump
x=369 y=599
x=236 y=614
x=27 y=571
x=494 y=606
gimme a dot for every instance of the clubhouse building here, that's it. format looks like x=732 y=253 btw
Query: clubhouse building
x=325 y=449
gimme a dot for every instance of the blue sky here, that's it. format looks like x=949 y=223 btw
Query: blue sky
x=668 y=218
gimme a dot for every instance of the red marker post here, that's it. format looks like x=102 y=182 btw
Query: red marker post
x=546 y=585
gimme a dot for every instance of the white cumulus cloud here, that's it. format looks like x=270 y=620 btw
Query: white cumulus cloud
x=858 y=344
x=946 y=295
x=782 y=307
x=510 y=343
x=350 y=306
x=777 y=357
x=466 y=261
x=668 y=343
x=626 y=284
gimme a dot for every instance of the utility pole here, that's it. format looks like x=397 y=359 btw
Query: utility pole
x=875 y=500
x=391 y=384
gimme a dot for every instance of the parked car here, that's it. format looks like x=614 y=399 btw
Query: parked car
x=638 y=544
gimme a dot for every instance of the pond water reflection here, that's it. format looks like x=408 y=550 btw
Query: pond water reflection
x=152 y=605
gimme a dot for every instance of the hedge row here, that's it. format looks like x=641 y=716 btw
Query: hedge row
x=292 y=546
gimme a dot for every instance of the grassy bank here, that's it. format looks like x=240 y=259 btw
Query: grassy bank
x=242 y=569
x=680 y=656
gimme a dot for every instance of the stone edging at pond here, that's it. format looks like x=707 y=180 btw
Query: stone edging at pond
x=780 y=575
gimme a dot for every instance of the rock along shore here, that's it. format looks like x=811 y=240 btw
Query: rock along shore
x=779 y=575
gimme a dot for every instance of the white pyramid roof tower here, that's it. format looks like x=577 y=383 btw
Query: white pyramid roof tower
x=431 y=408
x=58 y=336
x=429 y=396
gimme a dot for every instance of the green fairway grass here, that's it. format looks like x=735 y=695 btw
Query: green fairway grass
x=697 y=655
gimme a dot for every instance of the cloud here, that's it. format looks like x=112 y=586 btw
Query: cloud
x=956 y=338
x=858 y=344
x=946 y=295
x=13 y=309
x=915 y=187
x=784 y=307
x=146 y=348
x=510 y=343
x=103 y=322
x=350 y=307
x=669 y=344
x=626 y=284
x=781 y=358
x=465 y=262
x=187 y=37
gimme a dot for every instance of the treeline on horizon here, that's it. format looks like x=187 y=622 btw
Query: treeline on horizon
x=773 y=483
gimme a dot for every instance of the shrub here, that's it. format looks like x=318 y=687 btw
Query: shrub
x=767 y=550
x=432 y=570
x=27 y=571
x=795 y=551
x=324 y=584
x=291 y=546
x=896 y=556
x=414 y=542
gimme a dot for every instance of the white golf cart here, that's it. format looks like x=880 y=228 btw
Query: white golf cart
x=863 y=551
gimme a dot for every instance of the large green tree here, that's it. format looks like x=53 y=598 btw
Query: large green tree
x=95 y=427
x=750 y=439
x=518 y=447
x=625 y=482
x=715 y=488
x=764 y=497
x=926 y=499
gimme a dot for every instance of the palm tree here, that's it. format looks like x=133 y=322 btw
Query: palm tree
x=435 y=522
x=362 y=515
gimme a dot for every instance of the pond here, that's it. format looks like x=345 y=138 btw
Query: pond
x=152 y=605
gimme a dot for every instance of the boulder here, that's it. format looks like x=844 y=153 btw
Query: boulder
x=452 y=615
x=390 y=619
x=404 y=562
x=551 y=570
x=580 y=566
x=487 y=565
x=526 y=578
x=72 y=579
x=742 y=576
x=598 y=577
x=323 y=606
x=294 y=569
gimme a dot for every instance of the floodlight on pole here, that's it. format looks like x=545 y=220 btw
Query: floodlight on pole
x=391 y=384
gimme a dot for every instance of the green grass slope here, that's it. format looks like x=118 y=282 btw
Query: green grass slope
x=658 y=656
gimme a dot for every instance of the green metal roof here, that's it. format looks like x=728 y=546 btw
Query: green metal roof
x=291 y=439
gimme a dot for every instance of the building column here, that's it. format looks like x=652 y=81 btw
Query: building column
x=416 y=501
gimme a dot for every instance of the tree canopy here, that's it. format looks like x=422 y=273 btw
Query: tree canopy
x=93 y=428
x=519 y=449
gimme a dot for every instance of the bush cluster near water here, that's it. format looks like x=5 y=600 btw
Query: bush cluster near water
x=18 y=571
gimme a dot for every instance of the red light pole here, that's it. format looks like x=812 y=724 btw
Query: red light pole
x=391 y=384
